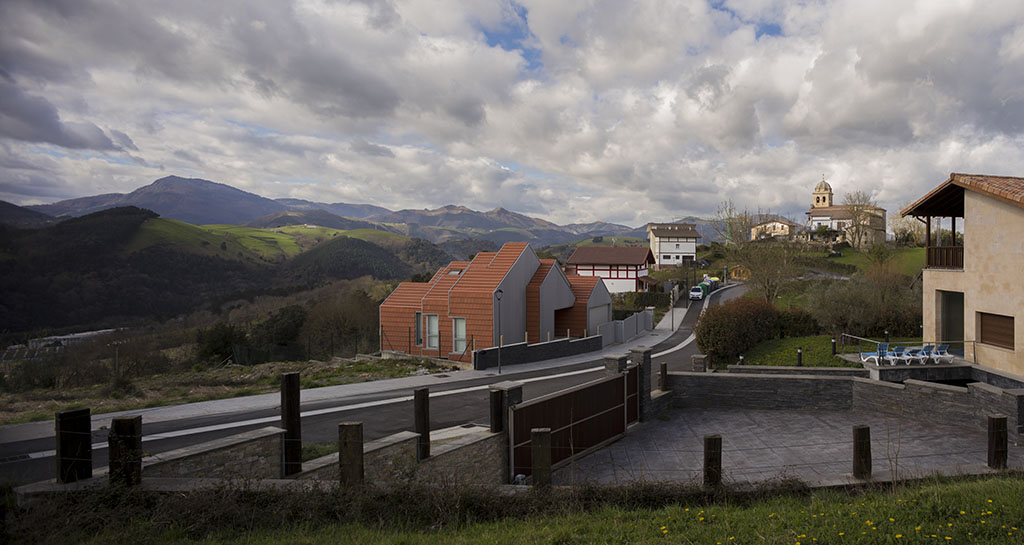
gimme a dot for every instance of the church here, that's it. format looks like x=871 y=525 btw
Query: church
x=835 y=222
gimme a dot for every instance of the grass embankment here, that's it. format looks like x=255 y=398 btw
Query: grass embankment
x=987 y=510
x=817 y=351
x=200 y=385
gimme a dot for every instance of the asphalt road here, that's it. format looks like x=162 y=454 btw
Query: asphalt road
x=451 y=404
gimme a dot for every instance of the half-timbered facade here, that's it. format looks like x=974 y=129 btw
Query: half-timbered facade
x=621 y=269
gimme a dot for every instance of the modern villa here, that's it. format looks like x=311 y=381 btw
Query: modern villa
x=973 y=293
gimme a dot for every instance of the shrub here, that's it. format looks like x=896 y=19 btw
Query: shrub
x=725 y=331
x=797 y=322
x=218 y=341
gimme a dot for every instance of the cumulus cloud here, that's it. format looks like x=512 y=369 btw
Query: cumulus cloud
x=574 y=111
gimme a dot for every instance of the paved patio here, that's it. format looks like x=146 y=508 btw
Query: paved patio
x=760 y=445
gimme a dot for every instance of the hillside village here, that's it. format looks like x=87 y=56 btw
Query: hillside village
x=511 y=271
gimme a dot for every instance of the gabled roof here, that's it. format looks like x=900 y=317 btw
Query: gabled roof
x=407 y=294
x=611 y=255
x=947 y=199
x=776 y=220
x=673 y=230
x=488 y=269
x=582 y=286
x=839 y=212
x=446 y=278
x=542 y=272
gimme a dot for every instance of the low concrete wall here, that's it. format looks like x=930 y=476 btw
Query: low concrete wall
x=385 y=460
x=253 y=454
x=783 y=370
x=476 y=458
x=752 y=391
x=512 y=354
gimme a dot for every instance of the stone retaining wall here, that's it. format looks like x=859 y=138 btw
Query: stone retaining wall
x=253 y=454
x=785 y=370
x=751 y=391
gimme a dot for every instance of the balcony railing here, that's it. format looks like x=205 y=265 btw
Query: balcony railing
x=946 y=257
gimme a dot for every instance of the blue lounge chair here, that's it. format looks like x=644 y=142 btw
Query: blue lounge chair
x=897 y=353
x=877 y=355
x=925 y=353
x=942 y=353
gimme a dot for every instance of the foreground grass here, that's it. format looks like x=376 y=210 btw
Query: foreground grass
x=200 y=384
x=817 y=351
x=939 y=511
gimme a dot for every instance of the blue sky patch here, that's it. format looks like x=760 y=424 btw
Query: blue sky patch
x=512 y=34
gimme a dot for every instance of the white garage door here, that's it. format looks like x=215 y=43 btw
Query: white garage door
x=595 y=317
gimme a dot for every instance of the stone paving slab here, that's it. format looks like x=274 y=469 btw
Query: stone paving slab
x=761 y=445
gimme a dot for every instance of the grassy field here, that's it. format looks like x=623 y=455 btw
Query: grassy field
x=985 y=510
x=817 y=351
x=228 y=241
x=908 y=261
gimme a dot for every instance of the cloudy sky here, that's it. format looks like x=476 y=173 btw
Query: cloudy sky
x=568 y=110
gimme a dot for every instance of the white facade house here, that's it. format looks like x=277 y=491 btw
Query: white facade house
x=672 y=243
x=621 y=269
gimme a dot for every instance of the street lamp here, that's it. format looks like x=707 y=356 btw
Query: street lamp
x=497 y=295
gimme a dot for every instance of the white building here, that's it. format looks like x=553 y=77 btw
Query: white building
x=672 y=243
x=621 y=269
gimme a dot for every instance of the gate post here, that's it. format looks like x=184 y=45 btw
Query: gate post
x=125 y=447
x=421 y=417
x=614 y=365
x=504 y=396
x=291 y=420
x=642 y=359
x=997 y=442
x=712 y=460
x=350 y=453
x=540 y=451
x=74 y=445
x=862 y=452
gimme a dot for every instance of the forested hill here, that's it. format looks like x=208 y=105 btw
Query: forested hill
x=112 y=267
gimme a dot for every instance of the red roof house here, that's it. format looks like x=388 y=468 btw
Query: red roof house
x=508 y=296
x=622 y=268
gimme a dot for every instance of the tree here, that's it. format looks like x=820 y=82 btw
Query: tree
x=733 y=225
x=906 y=230
x=772 y=264
x=862 y=210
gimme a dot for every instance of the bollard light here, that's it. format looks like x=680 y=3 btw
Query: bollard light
x=741 y=359
x=799 y=356
x=833 y=346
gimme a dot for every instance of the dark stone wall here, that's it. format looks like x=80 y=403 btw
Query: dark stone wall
x=818 y=371
x=512 y=354
x=749 y=391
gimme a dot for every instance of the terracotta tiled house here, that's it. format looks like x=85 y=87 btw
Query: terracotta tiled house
x=622 y=268
x=509 y=295
x=973 y=295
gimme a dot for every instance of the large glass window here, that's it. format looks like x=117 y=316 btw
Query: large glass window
x=995 y=329
x=433 y=339
x=419 y=329
x=459 y=335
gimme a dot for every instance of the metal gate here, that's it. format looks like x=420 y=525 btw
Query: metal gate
x=582 y=419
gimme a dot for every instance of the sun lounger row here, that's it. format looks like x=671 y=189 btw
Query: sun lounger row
x=938 y=354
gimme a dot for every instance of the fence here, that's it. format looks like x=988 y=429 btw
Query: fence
x=581 y=419
x=620 y=331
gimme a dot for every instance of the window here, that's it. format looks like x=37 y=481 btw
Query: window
x=995 y=330
x=432 y=337
x=459 y=335
x=419 y=329
x=677 y=246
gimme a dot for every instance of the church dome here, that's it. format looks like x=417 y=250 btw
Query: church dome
x=822 y=187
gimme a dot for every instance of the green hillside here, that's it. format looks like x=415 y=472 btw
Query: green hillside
x=228 y=241
x=563 y=251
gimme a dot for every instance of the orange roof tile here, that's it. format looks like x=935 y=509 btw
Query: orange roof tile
x=1008 y=189
x=488 y=269
x=407 y=294
x=582 y=286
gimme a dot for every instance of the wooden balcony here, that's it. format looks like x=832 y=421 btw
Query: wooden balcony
x=945 y=257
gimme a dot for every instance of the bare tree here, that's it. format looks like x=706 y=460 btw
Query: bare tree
x=907 y=230
x=862 y=210
x=771 y=265
x=733 y=225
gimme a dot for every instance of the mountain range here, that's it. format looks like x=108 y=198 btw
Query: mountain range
x=202 y=202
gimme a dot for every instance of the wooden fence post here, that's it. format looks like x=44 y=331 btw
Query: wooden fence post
x=997 y=442
x=540 y=450
x=712 y=460
x=291 y=421
x=421 y=417
x=350 y=453
x=862 y=452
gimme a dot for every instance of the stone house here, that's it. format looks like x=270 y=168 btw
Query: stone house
x=973 y=294
x=507 y=296
x=775 y=227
